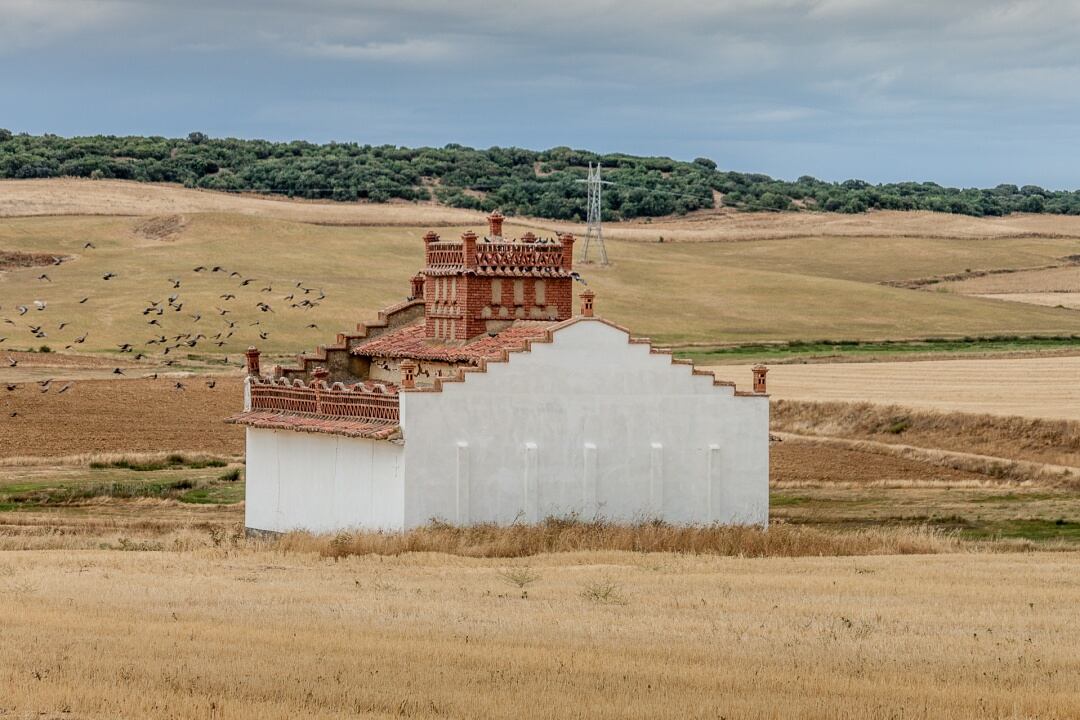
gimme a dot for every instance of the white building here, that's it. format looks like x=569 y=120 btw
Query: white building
x=483 y=399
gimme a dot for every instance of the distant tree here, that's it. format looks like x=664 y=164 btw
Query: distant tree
x=197 y=138
x=705 y=163
x=5 y=135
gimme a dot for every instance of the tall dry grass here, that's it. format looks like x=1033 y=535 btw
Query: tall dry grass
x=560 y=536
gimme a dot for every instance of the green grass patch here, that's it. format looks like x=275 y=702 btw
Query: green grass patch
x=170 y=462
x=1028 y=529
x=214 y=495
x=852 y=348
x=778 y=500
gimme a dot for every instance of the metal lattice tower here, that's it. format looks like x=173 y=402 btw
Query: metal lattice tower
x=594 y=233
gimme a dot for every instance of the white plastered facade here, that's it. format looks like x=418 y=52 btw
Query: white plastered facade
x=588 y=424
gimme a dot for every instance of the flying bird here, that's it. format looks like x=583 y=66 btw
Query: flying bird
x=22 y=310
x=228 y=296
x=40 y=304
x=12 y=362
x=83 y=300
x=577 y=278
x=108 y=276
x=43 y=276
x=88 y=246
x=263 y=335
x=179 y=385
x=211 y=384
x=117 y=371
x=175 y=282
x=201 y=268
x=64 y=389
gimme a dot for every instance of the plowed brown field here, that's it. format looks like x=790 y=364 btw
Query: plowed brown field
x=100 y=416
x=794 y=463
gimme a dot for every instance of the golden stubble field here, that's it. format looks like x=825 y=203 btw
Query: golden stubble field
x=1039 y=387
x=220 y=633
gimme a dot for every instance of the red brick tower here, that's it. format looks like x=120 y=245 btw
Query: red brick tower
x=481 y=285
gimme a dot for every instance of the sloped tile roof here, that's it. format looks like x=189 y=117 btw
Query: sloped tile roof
x=302 y=422
x=411 y=342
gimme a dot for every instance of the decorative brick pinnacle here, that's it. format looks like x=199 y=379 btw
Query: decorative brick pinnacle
x=495 y=223
x=587 y=297
x=417 y=286
x=408 y=374
x=759 y=378
x=252 y=360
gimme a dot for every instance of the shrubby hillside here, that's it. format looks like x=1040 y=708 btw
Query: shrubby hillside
x=525 y=182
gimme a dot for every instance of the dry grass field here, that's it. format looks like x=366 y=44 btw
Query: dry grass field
x=1070 y=300
x=1047 y=387
x=762 y=277
x=248 y=633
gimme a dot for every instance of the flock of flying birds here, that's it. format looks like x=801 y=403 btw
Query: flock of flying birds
x=165 y=312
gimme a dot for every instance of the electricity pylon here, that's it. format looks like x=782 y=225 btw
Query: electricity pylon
x=594 y=233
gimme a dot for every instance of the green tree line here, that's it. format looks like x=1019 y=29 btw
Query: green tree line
x=542 y=183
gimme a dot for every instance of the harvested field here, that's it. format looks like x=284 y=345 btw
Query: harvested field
x=249 y=633
x=676 y=293
x=1047 y=280
x=795 y=464
x=140 y=415
x=1069 y=300
x=1037 y=440
x=75 y=196
x=1031 y=387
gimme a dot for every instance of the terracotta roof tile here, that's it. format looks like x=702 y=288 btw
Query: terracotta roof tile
x=411 y=342
x=302 y=422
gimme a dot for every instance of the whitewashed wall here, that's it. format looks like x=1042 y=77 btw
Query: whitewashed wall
x=322 y=483
x=589 y=424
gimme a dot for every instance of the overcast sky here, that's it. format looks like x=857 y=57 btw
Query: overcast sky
x=963 y=92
